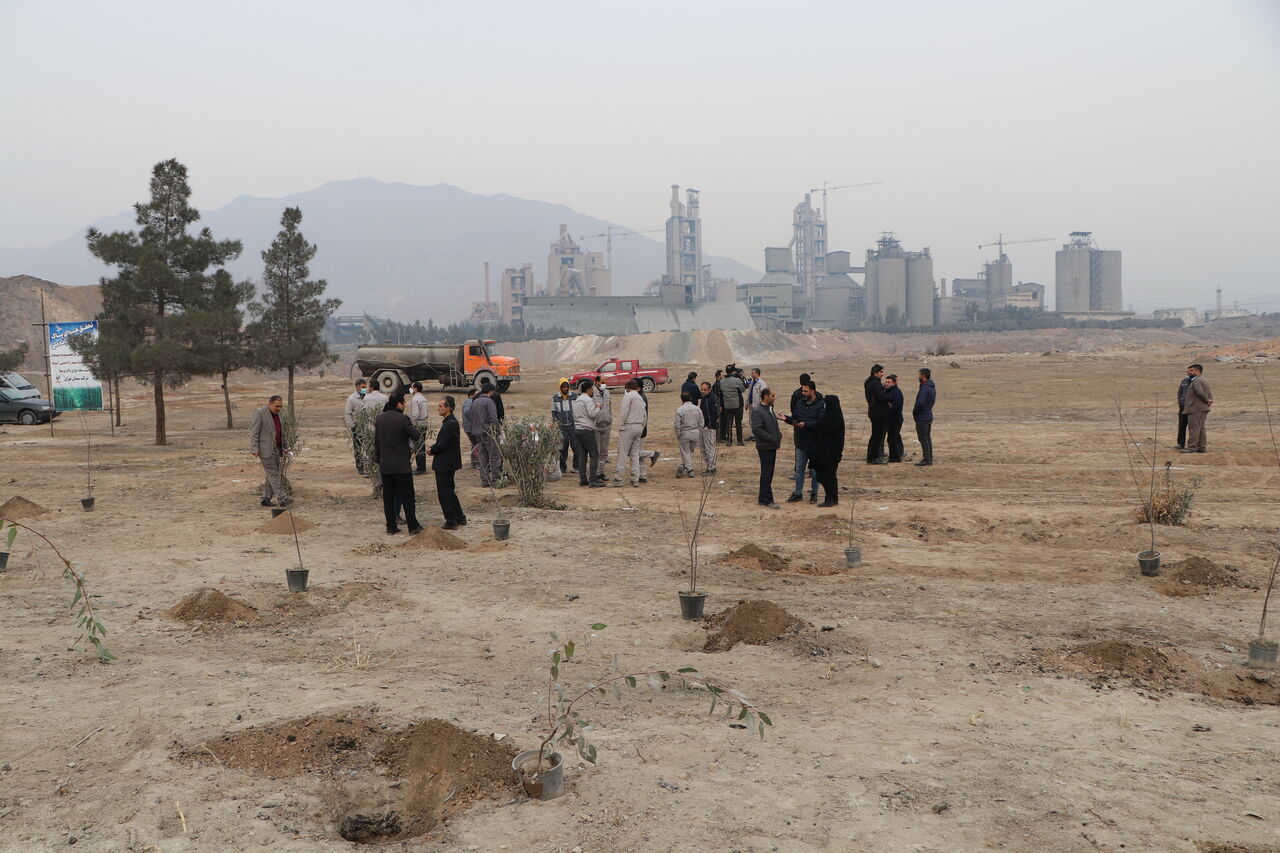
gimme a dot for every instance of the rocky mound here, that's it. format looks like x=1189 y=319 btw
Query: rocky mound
x=18 y=508
x=435 y=537
x=284 y=523
x=751 y=556
x=292 y=747
x=752 y=622
x=209 y=605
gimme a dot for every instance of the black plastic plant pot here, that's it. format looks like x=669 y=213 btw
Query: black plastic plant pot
x=87 y=504
x=502 y=529
x=1262 y=653
x=852 y=557
x=277 y=511
x=546 y=785
x=691 y=604
x=4 y=560
x=1149 y=563
x=297 y=579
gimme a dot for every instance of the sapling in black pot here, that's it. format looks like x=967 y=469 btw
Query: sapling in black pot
x=541 y=770
x=87 y=501
x=1149 y=560
x=296 y=578
x=692 y=602
x=501 y=526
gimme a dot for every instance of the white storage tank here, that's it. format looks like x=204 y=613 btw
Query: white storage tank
x=919 y=290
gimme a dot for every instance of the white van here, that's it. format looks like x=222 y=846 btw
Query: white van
x=16 y=387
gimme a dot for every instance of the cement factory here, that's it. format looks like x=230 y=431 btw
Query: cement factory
x=806 y=285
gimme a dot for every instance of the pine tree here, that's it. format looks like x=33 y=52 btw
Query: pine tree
x=220 y=322
x=288 y=330
x=146 y=325
x=12 y=359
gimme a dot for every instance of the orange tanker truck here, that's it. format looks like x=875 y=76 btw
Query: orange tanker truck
x=393 y=368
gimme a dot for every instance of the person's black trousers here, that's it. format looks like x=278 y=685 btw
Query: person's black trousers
x=875 y=445
x=447 y=492
x=895 y=441
x=731 y=419
x=924 y=433
x=1182 y=429
x=584 y=449
x=422 y=459
x=567 y=434
x=767 y=460
x=826 y=471
x=355 y=446
x=398 y=488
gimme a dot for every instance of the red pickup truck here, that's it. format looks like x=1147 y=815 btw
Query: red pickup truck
x=616 y=372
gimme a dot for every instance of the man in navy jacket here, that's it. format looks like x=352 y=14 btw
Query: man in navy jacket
x=922 y=413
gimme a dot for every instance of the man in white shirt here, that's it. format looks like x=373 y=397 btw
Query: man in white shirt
x=355 y=401
x=631 y=422
x=585 y=416
x=604 y=421
x=419 y=412
x=375 y=399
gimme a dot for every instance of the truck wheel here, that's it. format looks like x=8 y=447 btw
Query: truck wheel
x=388 y=381
x=647 y=384
x=504 y=386
x=26 y=417
x=484 y=376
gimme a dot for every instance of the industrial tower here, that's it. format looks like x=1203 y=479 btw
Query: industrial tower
x=809 y=242
x=1087 y=278
x=684 y=245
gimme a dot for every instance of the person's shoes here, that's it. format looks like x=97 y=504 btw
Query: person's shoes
x=461 y=522
x=1201 y=450
x=795 y=499
x=582 y=483
x=286 y=501
x=1179 y=446
x=617 y=484
x=392 y=531
x=449 y=525
x=710 y=472
x=895 y=460
x=828 y=503
x=598 y=484
x=417 y=471
x=644 y=479
x=878 y=462
x=751 y=438
x=772 y=506
x=1188 y=450
x=653 y=460
x=635 y=484
x=740 y=444
x=268 y=502
x=813 y=497
x=415 y=530
x=924 y=463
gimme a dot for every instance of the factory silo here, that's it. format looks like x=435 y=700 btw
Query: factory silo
x=871 y=282
x=891 y=289
x=1104 y=289
x=1072 y=275
x=919 y=289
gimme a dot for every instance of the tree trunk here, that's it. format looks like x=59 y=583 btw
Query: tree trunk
x=291 y=388
x=226 y=398
x=115 y=384
x=158 y=380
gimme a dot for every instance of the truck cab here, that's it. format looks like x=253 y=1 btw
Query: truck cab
x=479 y=359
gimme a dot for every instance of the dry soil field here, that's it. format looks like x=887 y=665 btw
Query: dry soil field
x=997 y=675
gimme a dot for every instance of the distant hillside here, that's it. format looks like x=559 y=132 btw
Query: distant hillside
x=392 y=249
x=20 y=308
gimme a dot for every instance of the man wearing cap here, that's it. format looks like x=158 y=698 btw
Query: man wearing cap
x=562 y=416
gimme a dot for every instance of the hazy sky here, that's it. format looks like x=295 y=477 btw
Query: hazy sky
x=1156 y=124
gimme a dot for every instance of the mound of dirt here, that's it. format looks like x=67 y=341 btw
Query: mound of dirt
x=18 y=508
x=1129 y=660
x=292 y=747
x=1217 y=847
x=752 y=622
x=435 y=537
x=284 y=523
x=1200 y=571
x=209 y=605
x=752 y=556
x=446 y=768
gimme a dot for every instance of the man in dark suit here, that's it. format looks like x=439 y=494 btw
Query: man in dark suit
x=896 y=404
x=393 y=438
x=877 y=413
x=446 y=460
x=691 y=388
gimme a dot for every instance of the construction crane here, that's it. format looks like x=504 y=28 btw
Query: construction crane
x=610 y=233
x=827 y=188
x=1002 y=242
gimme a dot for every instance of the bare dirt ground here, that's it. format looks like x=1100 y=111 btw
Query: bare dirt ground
x=997 y=675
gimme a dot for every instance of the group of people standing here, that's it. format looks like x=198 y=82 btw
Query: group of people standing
x=585 y=419
x=885 y=410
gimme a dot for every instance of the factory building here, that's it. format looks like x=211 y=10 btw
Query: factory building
x=899 y=285
x=809 y=242
x=684 y=245
x=516 y=286
x=771 y=301
x=1087 y=278
x=839 y=301
x=1188 y=316
x=573 y=272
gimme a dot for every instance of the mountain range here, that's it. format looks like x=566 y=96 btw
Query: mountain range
x=392 y=249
